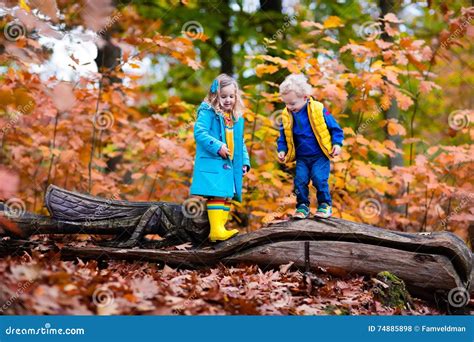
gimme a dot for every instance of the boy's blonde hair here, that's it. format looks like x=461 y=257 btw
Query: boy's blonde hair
x=297 y=83
x=212 y=99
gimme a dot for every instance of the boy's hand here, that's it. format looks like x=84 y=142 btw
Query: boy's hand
x=336 y=150
x=224 y=151
x=281 y=156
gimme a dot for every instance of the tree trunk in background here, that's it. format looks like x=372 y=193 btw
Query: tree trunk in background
x=272 y=24
x=271 y=5
x=273 y=18
x=108 y=57
x=225 y=48
x=386 y=6
x=393 y=113
x=471 y=235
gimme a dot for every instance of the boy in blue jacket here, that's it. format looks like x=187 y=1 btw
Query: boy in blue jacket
x=310 y=135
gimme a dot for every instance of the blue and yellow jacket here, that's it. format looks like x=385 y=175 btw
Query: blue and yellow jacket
x=212 y=174
x=310 y=132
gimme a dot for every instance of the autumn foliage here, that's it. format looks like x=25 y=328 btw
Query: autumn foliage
x=113 y=140
x=110 y=133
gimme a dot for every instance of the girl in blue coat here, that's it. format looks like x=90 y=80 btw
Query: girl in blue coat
x=221 y=156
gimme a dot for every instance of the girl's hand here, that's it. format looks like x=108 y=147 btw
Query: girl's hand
x=224 y=151
x=245 y=169
x=336 y=150
x=281 y=156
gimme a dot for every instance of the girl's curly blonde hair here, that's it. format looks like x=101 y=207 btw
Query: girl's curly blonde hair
x=297 y=83
x=224 y=80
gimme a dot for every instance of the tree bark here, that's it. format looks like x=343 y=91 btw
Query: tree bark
x=387 y=6
x=225 y=48
x=471 y=235
x=428 y=263
x=271 y=5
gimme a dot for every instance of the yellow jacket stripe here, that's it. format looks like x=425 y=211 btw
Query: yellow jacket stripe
x=318 y=125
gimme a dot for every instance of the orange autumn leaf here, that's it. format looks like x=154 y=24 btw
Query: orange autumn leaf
x=394 y=128
x=332 y=22
x=265 y=69
x=404 y=101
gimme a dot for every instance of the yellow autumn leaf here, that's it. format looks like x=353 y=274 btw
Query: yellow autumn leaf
x=288 y=52
x=377 y=65
x=259 y=213
x=331 y=40
x=385 y=102
x=332 y=22
x=24 y=6
x=348 y=131
x=294 y=68
x=349 y=217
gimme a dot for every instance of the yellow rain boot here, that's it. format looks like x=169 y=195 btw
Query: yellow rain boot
x=24 y=5
x=226 y=213
x=216 y=215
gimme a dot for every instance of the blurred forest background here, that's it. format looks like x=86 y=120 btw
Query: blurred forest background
x=100 y=96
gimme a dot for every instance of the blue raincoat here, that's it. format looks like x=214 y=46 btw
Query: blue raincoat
x=214 y=175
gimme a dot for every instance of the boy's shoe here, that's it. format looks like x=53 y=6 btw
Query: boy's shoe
x=324 y=211
x=301 y=212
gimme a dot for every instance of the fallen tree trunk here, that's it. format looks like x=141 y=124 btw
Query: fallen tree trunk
x=19 y=247
x=76 y=213
x=426 y=262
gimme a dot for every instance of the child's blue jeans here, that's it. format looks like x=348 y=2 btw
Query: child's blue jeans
x=317 y=170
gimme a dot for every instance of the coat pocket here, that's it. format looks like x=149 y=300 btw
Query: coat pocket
x=210 y=164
